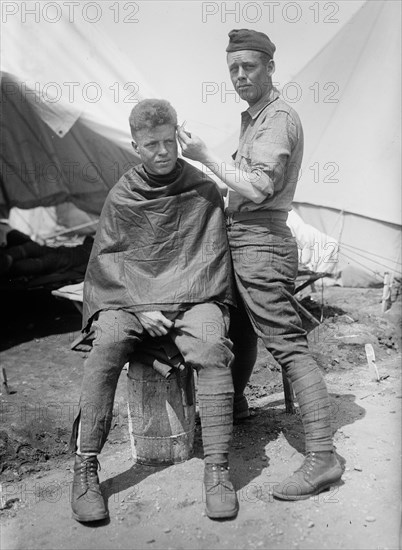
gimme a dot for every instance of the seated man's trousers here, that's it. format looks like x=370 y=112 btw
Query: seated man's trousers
x=199 y=333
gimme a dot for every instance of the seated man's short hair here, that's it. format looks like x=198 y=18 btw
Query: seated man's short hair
x=150 y=113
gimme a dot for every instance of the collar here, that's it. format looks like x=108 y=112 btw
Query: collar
x=165 y=179
x=256 y=109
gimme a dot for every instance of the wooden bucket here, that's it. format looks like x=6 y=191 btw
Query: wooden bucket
x=161 y=413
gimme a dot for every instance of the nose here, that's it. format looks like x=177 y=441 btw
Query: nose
x=241 y=75
x=162 y=150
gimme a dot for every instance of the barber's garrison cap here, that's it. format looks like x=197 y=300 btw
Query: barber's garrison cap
x=247 y=39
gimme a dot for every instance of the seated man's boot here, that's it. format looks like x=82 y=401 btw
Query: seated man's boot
x=87 y=501
x=317 y=473
x=240 y=408
x=220 y=495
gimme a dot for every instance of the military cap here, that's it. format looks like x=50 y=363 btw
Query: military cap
x=247 y=39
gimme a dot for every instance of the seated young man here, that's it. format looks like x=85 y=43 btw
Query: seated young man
x=160 y=265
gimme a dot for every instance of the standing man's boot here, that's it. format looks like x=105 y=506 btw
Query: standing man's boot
x=87 y=501
x=220 y=496
x=318 y=472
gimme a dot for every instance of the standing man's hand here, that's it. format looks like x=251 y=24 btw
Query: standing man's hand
x=154 y=322
x=192 y=147
x=239 y=180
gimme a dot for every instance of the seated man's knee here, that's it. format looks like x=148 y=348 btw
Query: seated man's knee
x=215 y=354
x=214 y=332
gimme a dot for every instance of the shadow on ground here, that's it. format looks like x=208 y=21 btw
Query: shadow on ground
x=265 y=426
x=35 y=314
x=248 y=454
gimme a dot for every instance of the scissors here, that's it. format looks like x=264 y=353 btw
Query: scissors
x=185 y=131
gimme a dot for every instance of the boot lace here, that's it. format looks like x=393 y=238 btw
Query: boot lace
x=308 y=465
x=220 y=476
x=89 y=472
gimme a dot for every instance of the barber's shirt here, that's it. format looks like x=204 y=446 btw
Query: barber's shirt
x=271 y=150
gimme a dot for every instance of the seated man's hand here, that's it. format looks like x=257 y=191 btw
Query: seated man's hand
x=154 y=322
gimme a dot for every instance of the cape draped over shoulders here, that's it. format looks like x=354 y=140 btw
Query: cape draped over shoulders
x=159 y=246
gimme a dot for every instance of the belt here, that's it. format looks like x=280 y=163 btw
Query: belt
x=255 y=215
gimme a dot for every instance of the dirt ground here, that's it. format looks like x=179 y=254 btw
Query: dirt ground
x=162 y=507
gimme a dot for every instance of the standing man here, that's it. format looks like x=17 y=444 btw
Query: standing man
x=160 y=265
x=261 y=189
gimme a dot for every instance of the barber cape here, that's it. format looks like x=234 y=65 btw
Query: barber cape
x=159 y=246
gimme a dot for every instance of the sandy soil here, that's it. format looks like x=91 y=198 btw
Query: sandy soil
x=162 y=507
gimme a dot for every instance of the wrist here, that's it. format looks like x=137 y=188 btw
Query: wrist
x=211 y=162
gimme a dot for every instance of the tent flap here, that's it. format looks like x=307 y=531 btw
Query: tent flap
x=39 y=168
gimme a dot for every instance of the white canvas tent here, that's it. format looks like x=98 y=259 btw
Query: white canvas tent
x=66 y=94
x=55 y=149
x=350 y=185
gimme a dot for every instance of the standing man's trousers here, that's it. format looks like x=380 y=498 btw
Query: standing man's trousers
x=265 y=260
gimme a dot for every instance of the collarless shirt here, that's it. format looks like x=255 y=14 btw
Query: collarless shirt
x=271 y=151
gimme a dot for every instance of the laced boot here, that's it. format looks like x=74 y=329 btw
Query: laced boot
x=220 y=495
x=317 y=473
x=87 y=501
x=240 y=408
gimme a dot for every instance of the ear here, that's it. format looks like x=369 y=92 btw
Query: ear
x=270 y=67
x=134 y=146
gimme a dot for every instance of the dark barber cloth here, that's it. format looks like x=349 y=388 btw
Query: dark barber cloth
x=159 y=246
x=247 y=39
